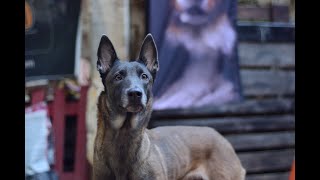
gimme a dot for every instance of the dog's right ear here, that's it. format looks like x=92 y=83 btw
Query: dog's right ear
x=106 y=55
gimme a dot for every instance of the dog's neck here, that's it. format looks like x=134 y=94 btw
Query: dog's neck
x=127 y=148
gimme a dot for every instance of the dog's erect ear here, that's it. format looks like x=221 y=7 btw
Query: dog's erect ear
x=106 y=55
x=149 y=54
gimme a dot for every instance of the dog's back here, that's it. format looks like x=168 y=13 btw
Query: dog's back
x=196 y=153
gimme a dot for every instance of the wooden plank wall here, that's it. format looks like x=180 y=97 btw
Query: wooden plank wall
x=267 y=69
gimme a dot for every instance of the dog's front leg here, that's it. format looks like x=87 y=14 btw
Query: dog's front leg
x=105 y=177
x=102 y=173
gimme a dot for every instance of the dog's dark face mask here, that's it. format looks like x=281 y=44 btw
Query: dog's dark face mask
x=128 y=84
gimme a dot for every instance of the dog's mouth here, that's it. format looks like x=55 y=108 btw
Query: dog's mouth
x=134 y=108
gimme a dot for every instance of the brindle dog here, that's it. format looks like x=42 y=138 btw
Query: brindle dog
x=125 y=149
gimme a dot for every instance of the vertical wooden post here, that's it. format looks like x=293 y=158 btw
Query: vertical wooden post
x=58 y=125
x=81 y=163
x=104 y=17
x=137 y=26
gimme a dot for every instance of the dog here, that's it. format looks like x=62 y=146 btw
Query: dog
x=125 y=149
x=204 y=29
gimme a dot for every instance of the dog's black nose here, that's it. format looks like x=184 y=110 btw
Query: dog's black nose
x=134 y=93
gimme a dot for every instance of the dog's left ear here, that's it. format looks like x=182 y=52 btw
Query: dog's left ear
x=149 y=54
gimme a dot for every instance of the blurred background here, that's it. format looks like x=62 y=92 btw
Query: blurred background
x=62 y=83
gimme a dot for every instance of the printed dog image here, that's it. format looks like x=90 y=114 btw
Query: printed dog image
x=208 y=73
x=125 y=149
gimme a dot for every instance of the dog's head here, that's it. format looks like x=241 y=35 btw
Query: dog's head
x=128 y=84
x=198 y=12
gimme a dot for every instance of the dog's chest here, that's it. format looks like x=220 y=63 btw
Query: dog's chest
x=132 y=172
x=126 y=160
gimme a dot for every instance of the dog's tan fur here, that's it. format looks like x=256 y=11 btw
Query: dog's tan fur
x=162 y=153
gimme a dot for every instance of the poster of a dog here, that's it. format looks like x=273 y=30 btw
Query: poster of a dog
x=197 y=44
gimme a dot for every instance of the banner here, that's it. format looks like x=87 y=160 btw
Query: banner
x=197 y=44
x=50 y=38
x=37 y=129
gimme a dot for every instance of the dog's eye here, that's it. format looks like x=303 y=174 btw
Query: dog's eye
x=144 y=77
x=118 y=77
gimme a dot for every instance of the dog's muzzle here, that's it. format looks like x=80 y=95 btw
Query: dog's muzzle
x=134 y=96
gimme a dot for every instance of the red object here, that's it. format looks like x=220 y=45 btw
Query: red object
x=293 y=173
x=59 y=108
